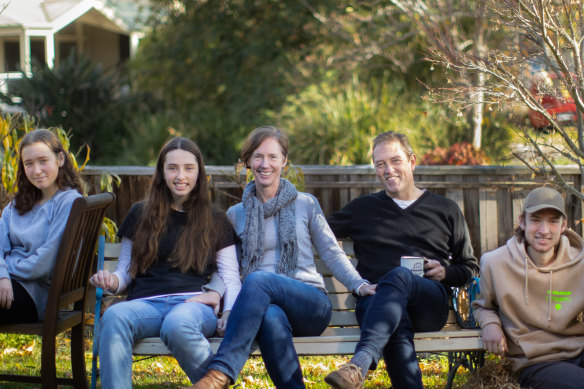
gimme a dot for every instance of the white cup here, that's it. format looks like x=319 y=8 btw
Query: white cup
x=414 y=264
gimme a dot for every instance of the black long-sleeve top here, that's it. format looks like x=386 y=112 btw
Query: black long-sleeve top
x=432 y=227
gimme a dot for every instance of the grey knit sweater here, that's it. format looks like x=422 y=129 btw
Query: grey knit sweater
x=311 y=229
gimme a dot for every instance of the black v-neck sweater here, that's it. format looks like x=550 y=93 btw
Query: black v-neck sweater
x=432 y=227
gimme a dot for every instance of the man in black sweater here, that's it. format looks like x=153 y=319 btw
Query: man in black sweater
x=401 y=220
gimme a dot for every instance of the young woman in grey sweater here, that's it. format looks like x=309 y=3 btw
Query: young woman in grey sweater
x=32 y=225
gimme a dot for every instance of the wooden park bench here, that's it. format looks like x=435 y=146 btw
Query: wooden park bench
x=463 y=346
x=67 y=294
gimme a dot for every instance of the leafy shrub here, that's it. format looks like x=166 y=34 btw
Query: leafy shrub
x=458 y=154
x=149 y=133
x=11 y=130
x=335 y=123
x=151 y=130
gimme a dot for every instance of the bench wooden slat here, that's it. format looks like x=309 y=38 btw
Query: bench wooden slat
x=333 y=345
x=333 y=285
x=341 y=331
x=324 y=270
x=347 y=246
x=112 y=250
x=436 y=345
x=342 y=301
x=110 y=265
x=343 y=318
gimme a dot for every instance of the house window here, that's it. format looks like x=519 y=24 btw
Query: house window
x=37 y=51
x=11 y=56
x=124 y=48
x=65 y=49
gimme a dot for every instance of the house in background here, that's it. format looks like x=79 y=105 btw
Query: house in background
x=48 y=30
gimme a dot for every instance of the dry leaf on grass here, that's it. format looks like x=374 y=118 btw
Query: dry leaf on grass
x=495 y=374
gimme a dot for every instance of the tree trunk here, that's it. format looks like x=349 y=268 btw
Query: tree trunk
x=478 y=98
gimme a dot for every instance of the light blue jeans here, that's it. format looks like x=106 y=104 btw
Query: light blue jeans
x=183 y=327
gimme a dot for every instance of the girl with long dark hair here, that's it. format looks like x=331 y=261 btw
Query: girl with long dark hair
x=172 y=245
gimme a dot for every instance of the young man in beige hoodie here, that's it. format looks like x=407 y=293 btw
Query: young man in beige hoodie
x=532 y=296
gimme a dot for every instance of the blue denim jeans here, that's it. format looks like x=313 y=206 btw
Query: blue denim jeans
x=183 y=327
x=568 y=374
x=402 y=304
x=272 y=308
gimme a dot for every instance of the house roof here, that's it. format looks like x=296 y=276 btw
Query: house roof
x=53 y=15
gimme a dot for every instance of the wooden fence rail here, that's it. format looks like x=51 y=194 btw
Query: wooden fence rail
x=489 y=196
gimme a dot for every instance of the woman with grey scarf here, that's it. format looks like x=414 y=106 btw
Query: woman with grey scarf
x=282 y=294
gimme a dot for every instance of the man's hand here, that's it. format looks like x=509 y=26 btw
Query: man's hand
x=434 y=270
x=494 y=339
x=367 y=289
x=105 y=280
x=222 y=323
x=6 y=294
x=211 y=298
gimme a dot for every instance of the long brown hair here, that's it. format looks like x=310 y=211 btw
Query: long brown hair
x=27 y=195
x=198 y=238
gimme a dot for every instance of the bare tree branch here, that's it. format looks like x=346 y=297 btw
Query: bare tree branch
x=544 y=34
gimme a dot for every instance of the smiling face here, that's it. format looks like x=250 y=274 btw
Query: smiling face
x=543 y=230
x=266 y=163
x=181 y=172
x=395 y=170
x=41 y=166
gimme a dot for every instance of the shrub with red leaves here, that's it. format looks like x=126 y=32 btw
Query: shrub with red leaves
x=458 y=154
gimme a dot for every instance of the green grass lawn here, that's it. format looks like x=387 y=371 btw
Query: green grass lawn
x=21 y=354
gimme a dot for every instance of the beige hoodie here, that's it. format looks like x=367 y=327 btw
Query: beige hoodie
x=536 y=307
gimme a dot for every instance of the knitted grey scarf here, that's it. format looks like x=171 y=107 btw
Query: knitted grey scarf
x=282 y=207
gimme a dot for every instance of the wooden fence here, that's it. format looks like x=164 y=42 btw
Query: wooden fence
x=490 y=197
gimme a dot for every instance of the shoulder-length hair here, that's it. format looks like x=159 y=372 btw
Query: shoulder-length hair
x=27 y=195
x=198 y=238
x=257 y=136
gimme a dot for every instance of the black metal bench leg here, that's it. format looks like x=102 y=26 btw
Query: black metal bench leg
x=471 y=360
x=454 y=363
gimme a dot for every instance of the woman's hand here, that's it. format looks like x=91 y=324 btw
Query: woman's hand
x=494 y=339
x=367 y=289
x=6 y=293
x=211 y=298
x=434 y=270
x=105 y=280
x=222 y=323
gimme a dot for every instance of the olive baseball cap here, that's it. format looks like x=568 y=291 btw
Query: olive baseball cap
x=544 y=198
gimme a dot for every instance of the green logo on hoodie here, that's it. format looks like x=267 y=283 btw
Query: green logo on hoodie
x=559 y=297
